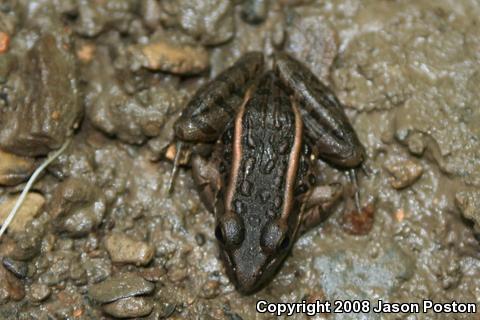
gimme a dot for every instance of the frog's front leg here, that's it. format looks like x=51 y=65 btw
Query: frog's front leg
x=214 y=105
x=323 y=115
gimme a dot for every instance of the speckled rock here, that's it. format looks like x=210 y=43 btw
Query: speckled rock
x=311 y=40
x=124 y=249
x=10 y=286
x=14 y=169
x=28 y=211
x=44 y=103
x=132 y=119
x=343 y=279
x=255 y=11
x=18 y=268
x=97 y=269
x=120 y=286
x=99 y=16
x=23 y=245
x=210 y=21
x=77 y=207
x=469 y=204
x=404 y=172
x=168 y=57
x=129 y=307
x=38 y=292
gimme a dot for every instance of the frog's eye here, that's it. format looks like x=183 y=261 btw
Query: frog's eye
x=229 y=230
x=274 y=238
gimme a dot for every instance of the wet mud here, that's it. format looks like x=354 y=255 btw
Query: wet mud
x=100 y=237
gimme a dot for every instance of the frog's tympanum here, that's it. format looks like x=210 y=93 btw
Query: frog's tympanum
x=266 y=129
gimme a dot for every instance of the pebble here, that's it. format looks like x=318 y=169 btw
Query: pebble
x=416 y=143
x=39 y=292
x=18 y=268
x=468 y=202
x=405 y=173
x=30 y=209
x=200 y=239
x=153 y=274
x=359 y=223
x=45 y=103
x=177 y=274
x=77 y=207
x=10 y=286
x=129 y=307
x=255 y=11
x=211 y=22
x=24 y=247
x=14 y=169
x=97 y=269
x=210 y=289
x=123 y=249
x=311 y=40
x=168 y=57
x=120 y=286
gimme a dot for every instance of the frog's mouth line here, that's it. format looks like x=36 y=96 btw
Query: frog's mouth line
x=262 y=278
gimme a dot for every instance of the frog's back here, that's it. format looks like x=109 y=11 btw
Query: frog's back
x=263 y=157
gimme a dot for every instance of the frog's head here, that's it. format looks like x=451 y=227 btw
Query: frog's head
x=253 y=248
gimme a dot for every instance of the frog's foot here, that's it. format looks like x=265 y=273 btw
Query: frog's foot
x=207 y=179
x=319 y=205
x=366 y=169
x=352 y=175
x=180 y=153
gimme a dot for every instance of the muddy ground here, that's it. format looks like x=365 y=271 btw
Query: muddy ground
x=99 y=236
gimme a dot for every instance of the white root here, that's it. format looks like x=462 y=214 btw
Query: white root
x=29 y=184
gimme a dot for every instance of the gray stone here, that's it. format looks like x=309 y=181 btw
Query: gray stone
x=120 y=286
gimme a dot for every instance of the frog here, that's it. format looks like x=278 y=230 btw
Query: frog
x=264 y=131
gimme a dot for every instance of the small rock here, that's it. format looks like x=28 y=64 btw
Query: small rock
x=14 y=169
x=129 y=308
x=10 y=285
x=24 y=246
x=4 y=42
x=78 y=274
x=86 y=52
x=30 y=209
x=405 y=173
x=469 y=204
x=132 y=118
x=210 y=289
x=18 y=268
x=359 y=223
x=416 y=143
x=168 y=57
x=44 y=98
x=200 y=239
x=97 y=269
x=310 y=39
x=120 y=286
x=150 y=11
x=177 y=274
x=153 y=274
x=255 y=11
x=123 y=249
x=212 y=22
x=39 y=292
x=77 y=207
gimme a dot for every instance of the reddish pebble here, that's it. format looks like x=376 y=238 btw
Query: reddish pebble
x=4 y=42
x=359 y=223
